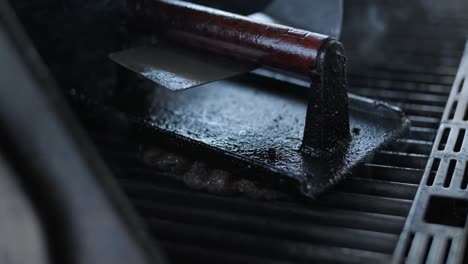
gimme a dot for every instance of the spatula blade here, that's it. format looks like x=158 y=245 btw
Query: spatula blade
x=177 y=68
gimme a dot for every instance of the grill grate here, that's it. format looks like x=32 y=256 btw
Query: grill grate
x=436 y=230
x=358 y=222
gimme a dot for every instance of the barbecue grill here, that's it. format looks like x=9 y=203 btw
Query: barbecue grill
x=407 y=202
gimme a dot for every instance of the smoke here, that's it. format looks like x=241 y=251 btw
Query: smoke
x=370 y=26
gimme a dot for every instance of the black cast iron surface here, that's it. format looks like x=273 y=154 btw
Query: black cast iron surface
x=261 y=128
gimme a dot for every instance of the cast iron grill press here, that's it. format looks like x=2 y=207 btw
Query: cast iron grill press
x=277 y=133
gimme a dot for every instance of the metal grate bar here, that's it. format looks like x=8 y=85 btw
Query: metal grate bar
x=291 y=212
x=186 y=253
x=401 y=86
x=253 y=244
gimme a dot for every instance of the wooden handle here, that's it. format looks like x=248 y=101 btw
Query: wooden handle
x=231 y=35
